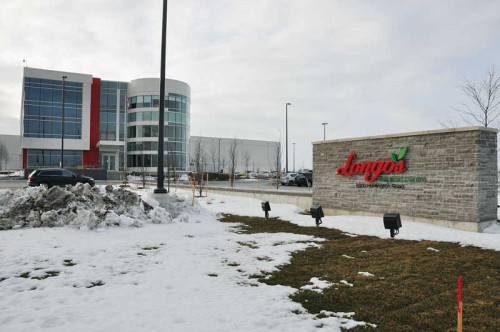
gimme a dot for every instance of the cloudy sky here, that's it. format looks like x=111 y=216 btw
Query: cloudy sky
x=365 y=67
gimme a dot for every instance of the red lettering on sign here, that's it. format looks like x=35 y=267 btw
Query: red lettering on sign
x=371 y=170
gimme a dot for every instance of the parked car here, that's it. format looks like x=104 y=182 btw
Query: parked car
x=184 y=178
x=288 y=178
x=304 y=179
x=50 y=177
x=265 y=175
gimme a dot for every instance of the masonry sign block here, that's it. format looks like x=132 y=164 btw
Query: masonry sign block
x=447 y=177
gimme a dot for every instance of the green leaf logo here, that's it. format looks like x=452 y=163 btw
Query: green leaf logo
x=402 y=153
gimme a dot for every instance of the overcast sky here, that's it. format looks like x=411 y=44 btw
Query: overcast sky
x=365 y=67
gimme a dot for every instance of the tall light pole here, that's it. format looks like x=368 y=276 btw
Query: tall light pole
x=324 y=130
x=268 y=163
x=160 y=189
x=286 y=145
x=62 y=126
x=293 y=157
x=218 y=163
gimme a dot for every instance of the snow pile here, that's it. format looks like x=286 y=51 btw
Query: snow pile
x=80 y=206
x=177 y=204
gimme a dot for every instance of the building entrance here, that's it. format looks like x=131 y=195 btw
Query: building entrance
x=109 y=163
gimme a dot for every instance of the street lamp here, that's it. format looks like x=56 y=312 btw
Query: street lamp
x=324 y=130
x=268 y=162
x=218 y=163
x=160 y=189
x=62 y=126
x=286 y=145
x=293 y=157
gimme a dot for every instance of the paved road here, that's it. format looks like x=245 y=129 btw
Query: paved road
x=247 y=184
x=12 y=183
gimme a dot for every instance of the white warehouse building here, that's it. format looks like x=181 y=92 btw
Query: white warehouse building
x=252 y=155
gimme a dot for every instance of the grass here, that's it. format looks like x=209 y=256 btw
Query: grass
x=47 y=274
x=413 y=288
x=68 y=262
x=97 y=283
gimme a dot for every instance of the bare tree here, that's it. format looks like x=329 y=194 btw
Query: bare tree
x=4 y=155
x=223 y=162
x=143 y=171
x=276 y=163
x=199 y=156
x=200 y=163
x=233 y=159
x=483 y=101
x=213 y=153
x=245 y=157
x=201 y=179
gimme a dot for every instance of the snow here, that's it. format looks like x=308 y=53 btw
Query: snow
x=359 y=225
x=366 y=274
x=317 y=285
x=187 y=273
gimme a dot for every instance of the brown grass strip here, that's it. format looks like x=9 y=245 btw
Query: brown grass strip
x=413 y=288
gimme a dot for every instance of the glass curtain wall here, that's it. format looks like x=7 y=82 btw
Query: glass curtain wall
x=51 y=158
x=43 y=108
x=113 y=106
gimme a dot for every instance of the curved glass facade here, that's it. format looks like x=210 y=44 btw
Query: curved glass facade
x=142 y=132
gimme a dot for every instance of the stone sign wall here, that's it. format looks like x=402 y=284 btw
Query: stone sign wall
x=447 y=177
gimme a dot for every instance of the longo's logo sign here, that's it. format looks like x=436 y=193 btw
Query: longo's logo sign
x=373 y=169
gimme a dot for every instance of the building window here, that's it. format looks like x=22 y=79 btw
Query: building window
x=52 y=158
x=113 y=105
x=173 y=102
x=43 y=109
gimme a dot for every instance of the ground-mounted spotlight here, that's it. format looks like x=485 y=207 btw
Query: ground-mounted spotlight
x=266 y=208
x=317 y=213
x=392 y=221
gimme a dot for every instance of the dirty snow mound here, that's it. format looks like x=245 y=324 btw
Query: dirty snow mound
x=80 y=206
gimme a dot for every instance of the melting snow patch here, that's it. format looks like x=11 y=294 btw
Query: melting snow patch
x=318 y=285
x=345 y=320
x=432 y=249
x=366 y=274
x=345 y=256
x=344 y=282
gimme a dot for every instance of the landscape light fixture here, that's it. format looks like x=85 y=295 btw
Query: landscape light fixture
x=324 y=130
x=286 y=134
x=266 y=207
x=317 y=213
x=62 y=126
x=392 y=221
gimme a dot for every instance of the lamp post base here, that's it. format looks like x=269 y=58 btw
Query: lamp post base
x=160 y=191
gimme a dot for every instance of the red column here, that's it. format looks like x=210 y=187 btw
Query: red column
x=91 y=157
x=25 y=158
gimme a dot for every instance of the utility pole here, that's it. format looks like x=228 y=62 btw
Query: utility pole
x=286 y=131
x=324 y=130
x=160 y=189
x=62 y=126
